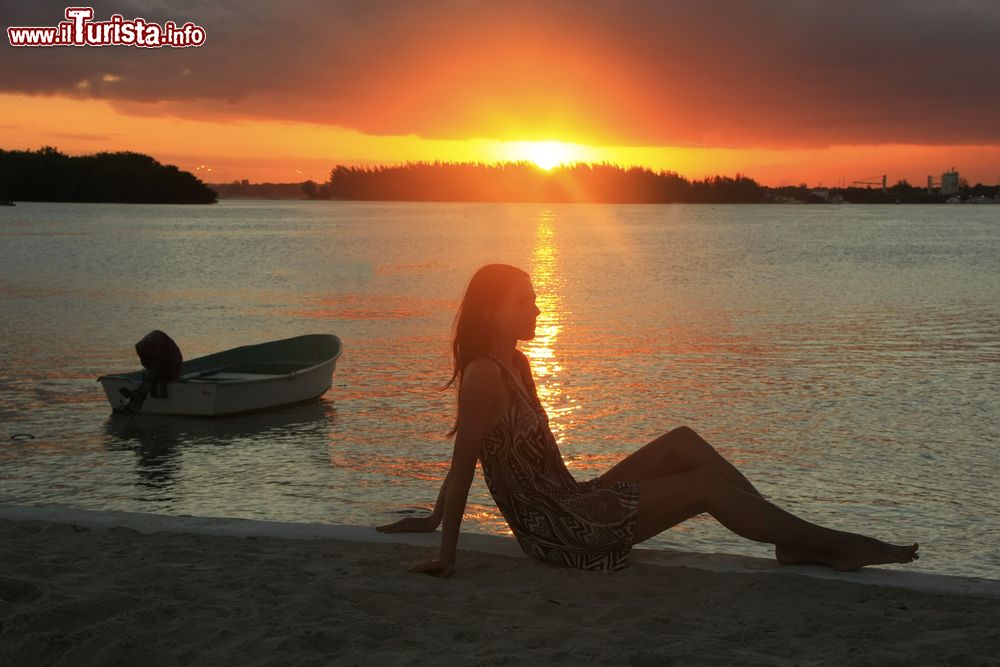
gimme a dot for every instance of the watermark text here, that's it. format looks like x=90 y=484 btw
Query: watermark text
x=80 y=30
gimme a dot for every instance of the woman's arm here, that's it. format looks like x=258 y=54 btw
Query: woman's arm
x=476 y=399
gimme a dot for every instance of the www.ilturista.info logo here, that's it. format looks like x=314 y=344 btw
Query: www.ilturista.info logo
x=79 y=30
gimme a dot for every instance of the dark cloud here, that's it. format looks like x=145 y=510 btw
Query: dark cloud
x=716 y=73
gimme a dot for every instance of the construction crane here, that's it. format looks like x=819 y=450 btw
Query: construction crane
x=871 y=180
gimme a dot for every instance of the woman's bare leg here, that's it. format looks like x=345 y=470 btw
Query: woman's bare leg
x=667 y=501
x=679 y=450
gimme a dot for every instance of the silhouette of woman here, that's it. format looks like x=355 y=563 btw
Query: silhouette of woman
x=593 y=524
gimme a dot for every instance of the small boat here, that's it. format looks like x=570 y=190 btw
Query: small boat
x=244 y=379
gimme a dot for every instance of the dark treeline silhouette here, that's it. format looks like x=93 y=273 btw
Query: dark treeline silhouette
x=127 y=177
x=525 y=181
x=901 y=193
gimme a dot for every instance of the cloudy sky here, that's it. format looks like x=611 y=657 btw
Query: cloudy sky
x=784 y=91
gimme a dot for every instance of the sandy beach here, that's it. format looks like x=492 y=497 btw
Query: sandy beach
x=90 y=589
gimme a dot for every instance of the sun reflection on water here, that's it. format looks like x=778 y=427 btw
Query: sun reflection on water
x=542 y=352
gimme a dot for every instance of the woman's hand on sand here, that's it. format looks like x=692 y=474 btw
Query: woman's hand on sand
x=411 y=524
x=435 y=568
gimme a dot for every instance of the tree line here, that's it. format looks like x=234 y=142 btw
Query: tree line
x=127 y=177
x=525 y=181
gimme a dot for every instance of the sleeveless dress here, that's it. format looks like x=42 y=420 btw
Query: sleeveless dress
x=553 y=517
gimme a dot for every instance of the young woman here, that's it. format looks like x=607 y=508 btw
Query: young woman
x=592 y=524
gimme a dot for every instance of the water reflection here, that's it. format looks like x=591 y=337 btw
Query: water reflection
x=549 y=284
x=158 y=440
x=849 y=381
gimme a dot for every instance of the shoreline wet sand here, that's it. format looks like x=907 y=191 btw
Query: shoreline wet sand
x=87 y=588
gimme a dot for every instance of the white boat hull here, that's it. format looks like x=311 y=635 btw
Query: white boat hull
x=216 y=392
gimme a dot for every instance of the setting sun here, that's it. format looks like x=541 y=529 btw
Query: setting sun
x=546 y=154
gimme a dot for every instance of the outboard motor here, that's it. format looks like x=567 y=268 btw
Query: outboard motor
x=162 y=361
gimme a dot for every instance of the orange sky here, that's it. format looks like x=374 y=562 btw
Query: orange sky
x=784 y=95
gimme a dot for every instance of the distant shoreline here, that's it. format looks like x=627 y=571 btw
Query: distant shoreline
x=494 y=201
x=587 y=183
x=128 y=177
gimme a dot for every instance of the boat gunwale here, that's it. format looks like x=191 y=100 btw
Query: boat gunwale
x=136 y=376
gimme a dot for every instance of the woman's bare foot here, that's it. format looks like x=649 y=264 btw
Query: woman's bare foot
x=869 y=551
x=863 y=551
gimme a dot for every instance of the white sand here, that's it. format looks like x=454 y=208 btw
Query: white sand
x=80 y=588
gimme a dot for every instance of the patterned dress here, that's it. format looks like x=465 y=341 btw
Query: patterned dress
x=554 y=518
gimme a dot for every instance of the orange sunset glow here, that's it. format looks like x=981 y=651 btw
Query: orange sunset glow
x=285 y=94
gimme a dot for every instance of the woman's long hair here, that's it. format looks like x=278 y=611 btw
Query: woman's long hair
x=472 y=333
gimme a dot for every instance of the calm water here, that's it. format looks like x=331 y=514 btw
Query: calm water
x=845 y=357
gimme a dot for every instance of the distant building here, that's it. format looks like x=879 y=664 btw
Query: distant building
x=949 y=182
